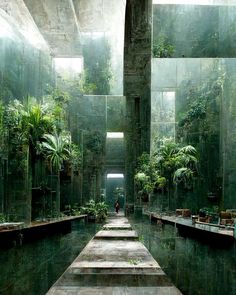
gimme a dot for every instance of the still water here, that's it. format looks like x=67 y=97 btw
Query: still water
x=195 y=267
x=31 y=269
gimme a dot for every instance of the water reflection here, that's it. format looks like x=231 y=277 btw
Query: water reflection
x=33 y=268
x=196 y=268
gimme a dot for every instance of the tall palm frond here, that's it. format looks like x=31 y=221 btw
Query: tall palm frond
x=183 y=175
x=56 y=149
x=188 y=150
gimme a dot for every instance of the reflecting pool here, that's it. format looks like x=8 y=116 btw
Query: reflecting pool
x=32 y=268
x=195 y=267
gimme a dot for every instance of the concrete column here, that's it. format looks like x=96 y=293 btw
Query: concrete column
x=137 y=80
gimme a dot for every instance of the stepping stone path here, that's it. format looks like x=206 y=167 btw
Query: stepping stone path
x=114 y=262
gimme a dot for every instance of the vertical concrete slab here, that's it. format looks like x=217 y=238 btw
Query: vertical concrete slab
x=137 y=80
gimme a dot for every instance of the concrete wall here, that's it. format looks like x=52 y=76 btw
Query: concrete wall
x=25 y=70
x=137 y=78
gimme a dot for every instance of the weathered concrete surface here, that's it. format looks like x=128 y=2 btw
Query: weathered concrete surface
x=202 y=228
x=58 y=23
x=20 y=16
x=117 y=223
x=115 y=291
x=114 y=266
x=117 y=234
x=137 y=84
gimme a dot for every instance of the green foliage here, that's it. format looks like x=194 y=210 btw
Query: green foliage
x=141 y=239
x=84 y=85
x=2 y=218
x=202 y=101
x=160 y=182
x=95 y=142
x=134 y=261
x=197 y=111
x=72 y=210
x=171 y=164
x=143 y=182
x=34 y=125
x=75 y=156
x=7 y=87
x=176 y=164
x=212 y=212
x=56 y=149
x=60 y=97
x=118 y=192
x=28 y=122
x=99 y=210
x=199 y=122
x=98 y=73
x=2 y=128
x=161 y=48
x=184 y=175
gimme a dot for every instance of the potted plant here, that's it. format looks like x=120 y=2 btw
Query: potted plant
x=144 y=186
x=95 y=211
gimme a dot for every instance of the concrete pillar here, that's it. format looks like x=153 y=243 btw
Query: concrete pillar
x=137 y=82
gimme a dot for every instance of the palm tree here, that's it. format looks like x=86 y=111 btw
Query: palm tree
x=176 y=164
x=56 y=149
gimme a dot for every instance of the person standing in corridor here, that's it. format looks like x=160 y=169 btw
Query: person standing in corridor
x=117 y=206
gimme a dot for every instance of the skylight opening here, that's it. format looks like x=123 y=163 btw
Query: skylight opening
x=194 y=2
x=115 y=175
x=6 y=30
x=115 y=134
x=75 y=64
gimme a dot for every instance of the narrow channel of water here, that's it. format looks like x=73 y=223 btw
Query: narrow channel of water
x=195 y=267
x=32 y=268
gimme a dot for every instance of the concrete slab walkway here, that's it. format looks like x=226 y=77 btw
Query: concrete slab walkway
x=114 y=262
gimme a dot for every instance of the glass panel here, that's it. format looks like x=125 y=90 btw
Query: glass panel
x=194 y=31
x=196 y=2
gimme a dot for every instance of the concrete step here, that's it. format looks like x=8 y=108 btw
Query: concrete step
x=114 y=262
x=114 y=291
x=115 y=279
x=117 y=226
x=117 y=235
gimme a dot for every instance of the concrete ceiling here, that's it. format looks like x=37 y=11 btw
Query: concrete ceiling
x=58 y=23
x=19 y=16
x=61 y=22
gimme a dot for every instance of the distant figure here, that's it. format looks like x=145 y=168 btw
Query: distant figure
x=117 y=206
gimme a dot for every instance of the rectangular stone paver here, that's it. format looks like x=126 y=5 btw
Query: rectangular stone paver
x=113 y=253
x=114 y=291
x=116 y=234
x=117 y=226
x=117 y=223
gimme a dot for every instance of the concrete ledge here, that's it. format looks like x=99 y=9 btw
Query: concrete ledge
x=116 y=279
x=114 y=291
x=117 y=234
x=117 y=227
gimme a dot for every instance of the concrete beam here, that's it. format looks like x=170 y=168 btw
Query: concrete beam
x=57 y=21
x=19 y=16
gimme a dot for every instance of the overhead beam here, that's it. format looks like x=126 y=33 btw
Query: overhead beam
x=57 y=22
